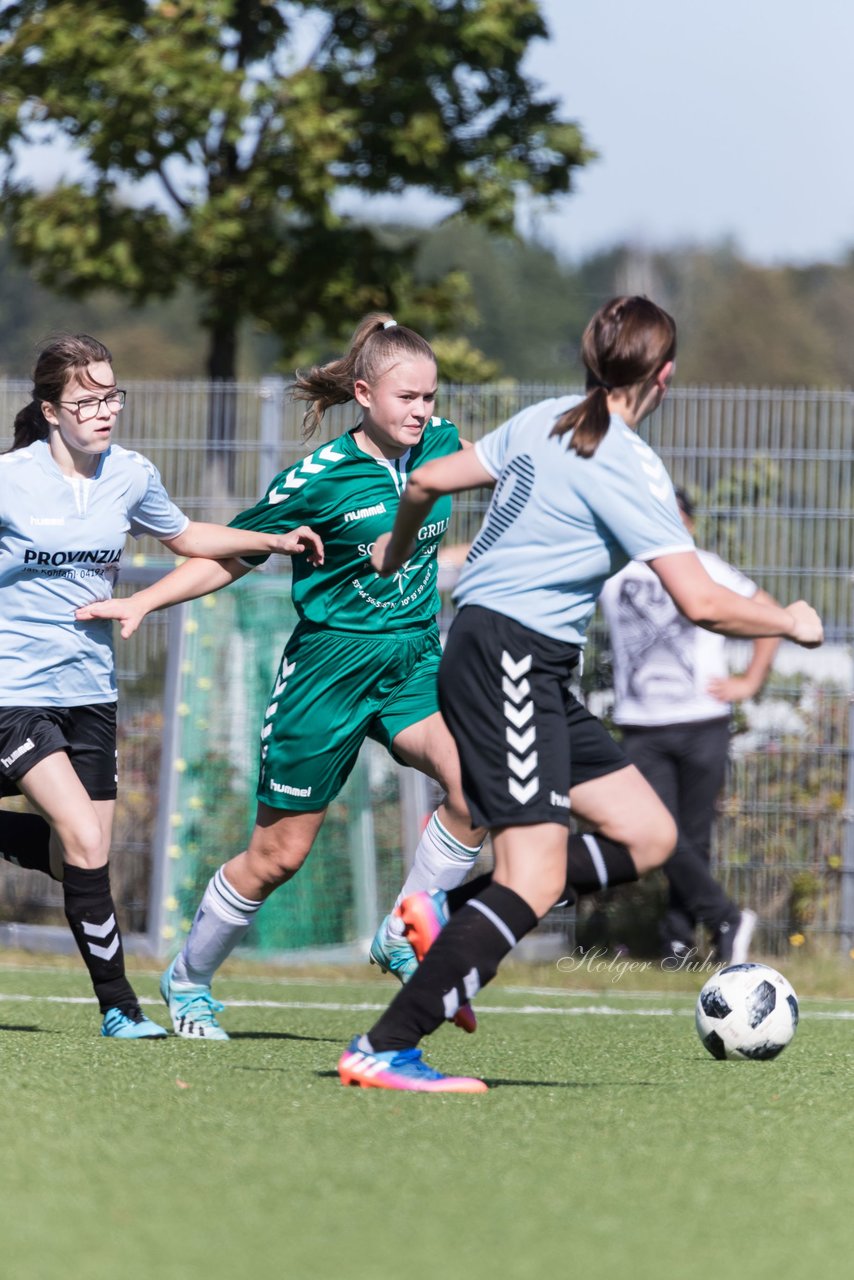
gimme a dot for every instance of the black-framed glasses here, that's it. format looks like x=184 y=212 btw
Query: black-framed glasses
x=90 y=406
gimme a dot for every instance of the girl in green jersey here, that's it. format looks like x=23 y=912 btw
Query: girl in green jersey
x=362 y=661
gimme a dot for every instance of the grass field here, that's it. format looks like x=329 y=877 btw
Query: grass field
x=610 y=1144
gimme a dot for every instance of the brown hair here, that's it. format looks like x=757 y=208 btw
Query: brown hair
x=63 y=356
x=625 y=344
x=378 y=343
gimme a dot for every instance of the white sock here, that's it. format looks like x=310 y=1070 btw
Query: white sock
x=440 y=862
x=221 y=921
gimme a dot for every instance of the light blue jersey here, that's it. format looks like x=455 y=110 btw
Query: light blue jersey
x=559 y=525
x=61 y=542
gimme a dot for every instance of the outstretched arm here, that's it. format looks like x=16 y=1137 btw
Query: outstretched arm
x=715 y=607
x=200 y=575
x=193 y=578
x=452 y=474
x=219 y=541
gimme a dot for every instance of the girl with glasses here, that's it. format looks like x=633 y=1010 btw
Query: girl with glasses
x=68 y=497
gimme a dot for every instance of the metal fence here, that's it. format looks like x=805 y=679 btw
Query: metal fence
x=773 y=476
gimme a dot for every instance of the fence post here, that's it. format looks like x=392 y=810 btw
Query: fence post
x=164 y=833
x=272 y=409
x=363 y=853
x=846 y=914
x=416 y=804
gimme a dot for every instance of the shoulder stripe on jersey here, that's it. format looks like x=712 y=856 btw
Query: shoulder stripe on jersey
x=313 y=465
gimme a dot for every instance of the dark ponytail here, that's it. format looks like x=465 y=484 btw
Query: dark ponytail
x=30 y=425
x=65 y=355
x=626 y=343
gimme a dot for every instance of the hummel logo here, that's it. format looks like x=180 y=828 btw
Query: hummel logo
x=515 y=692
x=519 y=709
x=362 y=513
x=518 y=717
x=523 y=794
x=515 y=669
x=522 y=766
x=22 y=750
x=101 y=931
x=282 y=679
x=520 y=741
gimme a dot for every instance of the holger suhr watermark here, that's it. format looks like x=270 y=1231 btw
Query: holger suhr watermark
x=597 y=960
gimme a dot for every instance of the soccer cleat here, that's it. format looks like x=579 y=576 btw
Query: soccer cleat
x=732 y=940
x=402 y=1069
x=130 y=1023
x=392 y=954
x=193 y=1008
x=677 y=952
x=424 y=916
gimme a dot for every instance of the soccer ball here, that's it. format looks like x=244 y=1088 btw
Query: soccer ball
x=746 y=1011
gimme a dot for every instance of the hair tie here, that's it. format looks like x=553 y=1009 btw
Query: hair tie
x=597 y=383
x=389 y=324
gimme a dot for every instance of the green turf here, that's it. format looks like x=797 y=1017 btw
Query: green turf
x=610 y=1144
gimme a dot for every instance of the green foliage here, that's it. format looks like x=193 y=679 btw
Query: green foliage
x=740 y=324
x=251 y=118
x=529 y=313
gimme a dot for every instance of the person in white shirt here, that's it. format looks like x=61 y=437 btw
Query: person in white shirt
x=673 y=696
x=68 y=498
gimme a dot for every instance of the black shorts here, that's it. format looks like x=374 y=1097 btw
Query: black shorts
x=524 y=740
x=87 y=734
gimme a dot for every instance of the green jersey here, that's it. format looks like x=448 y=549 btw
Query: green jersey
x=349 y=498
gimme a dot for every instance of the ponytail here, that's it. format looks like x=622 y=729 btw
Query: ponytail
x=30 y=425
x=588 y=421
x=625 y=344
x=378 y=343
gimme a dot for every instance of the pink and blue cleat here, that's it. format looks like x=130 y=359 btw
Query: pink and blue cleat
x=401 y=1069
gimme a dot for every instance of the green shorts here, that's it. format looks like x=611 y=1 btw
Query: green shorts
x=333 y=690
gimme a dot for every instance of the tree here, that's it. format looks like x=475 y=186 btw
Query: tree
x=254 y=118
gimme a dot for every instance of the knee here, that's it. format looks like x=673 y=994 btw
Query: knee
x=84 y=845
x=656 y=844
x=273 y=861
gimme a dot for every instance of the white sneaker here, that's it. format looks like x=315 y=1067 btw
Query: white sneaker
x=743 y=935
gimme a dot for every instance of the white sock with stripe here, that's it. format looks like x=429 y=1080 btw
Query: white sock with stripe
x=220 y=924
x=441 y=862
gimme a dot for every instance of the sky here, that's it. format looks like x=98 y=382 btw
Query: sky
x=725 y=120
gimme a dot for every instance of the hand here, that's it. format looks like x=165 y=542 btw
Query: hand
x=301 y=541
x=731 y=688
x=382 y=563
x=126 y=611
x=808 y=630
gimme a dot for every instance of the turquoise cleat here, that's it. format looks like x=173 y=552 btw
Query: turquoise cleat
x=193 y=1008
x=130 y=1024
x=393 y=954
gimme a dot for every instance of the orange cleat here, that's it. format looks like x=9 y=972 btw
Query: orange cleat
x=424 y=916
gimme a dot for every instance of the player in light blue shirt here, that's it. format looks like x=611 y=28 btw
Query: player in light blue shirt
x=577 y=494
x=68 y=499
x=556 y=528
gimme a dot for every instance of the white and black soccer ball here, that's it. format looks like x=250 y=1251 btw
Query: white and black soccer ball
x=746 y=1011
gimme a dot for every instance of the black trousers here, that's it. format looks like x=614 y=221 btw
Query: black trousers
x=686 y=765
